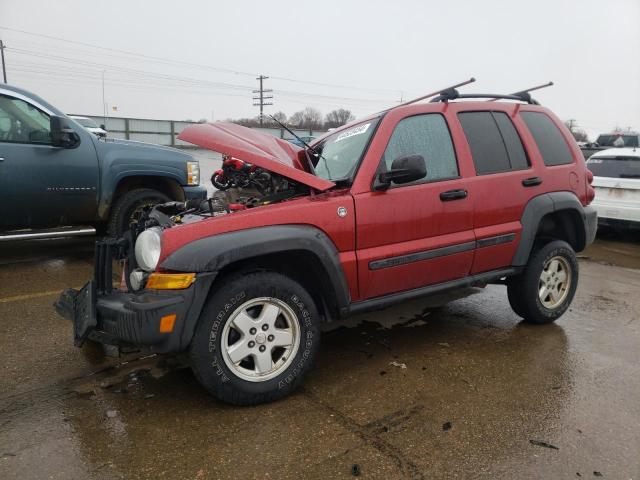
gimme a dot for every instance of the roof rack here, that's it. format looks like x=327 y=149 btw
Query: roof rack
x=521 y=96
x=455 y=95
x=526 y=93
x=424 y=97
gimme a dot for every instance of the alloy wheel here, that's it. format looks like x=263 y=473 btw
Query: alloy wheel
x=260 y=339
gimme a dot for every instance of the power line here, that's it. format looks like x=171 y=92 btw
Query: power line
x=189 y=80
x=141 y=55
x=197 y=65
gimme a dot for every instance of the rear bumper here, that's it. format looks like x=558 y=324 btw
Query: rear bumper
x=195 y=193
x=617 y=211
x=123 y=318
x=617 y=223
x=590 y=224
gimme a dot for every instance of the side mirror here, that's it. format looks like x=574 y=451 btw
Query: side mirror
x=403 y=170
x=102 y=126
x=62 y=135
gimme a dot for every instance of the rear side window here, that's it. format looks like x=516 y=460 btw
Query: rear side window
x=551 y=143
x=494 y=142
x=615 y=167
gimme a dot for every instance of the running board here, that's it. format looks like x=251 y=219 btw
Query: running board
x=470 y=281
x=41 y=234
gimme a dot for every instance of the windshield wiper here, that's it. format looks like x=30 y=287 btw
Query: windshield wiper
x=307 y=147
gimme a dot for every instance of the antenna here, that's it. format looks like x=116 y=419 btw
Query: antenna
x=453 y=87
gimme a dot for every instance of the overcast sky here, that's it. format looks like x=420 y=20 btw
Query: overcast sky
x=198 y=59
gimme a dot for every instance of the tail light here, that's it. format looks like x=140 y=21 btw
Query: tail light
x=591 y=192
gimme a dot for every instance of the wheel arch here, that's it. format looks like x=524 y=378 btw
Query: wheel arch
x=167 y=185
x=304 y=253
x=556 y=215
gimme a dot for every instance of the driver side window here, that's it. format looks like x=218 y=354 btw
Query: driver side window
x=426 y=135
x=21 y=122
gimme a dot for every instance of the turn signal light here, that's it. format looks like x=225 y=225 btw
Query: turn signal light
x=170 y=281
x=167 y=322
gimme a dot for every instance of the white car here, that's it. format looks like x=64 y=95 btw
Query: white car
x=616 y=179
x=90 y=125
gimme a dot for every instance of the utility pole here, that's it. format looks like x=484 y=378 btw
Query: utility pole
x=570 y=123
x=104 y=103
x=261 y=96
x=4 y=67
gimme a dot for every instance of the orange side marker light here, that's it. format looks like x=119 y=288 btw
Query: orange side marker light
x=167 y=323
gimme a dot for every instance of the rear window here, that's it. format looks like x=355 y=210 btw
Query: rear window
x=617 y=167
x=618 y=140
x=494 y=142
x=551 y=143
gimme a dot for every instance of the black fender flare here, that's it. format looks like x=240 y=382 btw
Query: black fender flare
x=536 y=209
x=212 y=254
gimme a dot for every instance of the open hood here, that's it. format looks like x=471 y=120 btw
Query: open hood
x=257 y=148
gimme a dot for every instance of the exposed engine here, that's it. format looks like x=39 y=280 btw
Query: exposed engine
x=240 y=186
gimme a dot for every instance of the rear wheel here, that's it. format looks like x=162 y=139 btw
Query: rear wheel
x=257 y=337
x=129 y=206
x=546 y=287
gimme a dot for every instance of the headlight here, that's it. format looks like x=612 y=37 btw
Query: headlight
x=148 y=249
x=193 y=173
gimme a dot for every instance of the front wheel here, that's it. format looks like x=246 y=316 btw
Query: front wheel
x=546 y=287
x=257 y=337
x=129 y=207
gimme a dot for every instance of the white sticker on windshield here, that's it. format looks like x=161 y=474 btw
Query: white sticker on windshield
x=359 y=130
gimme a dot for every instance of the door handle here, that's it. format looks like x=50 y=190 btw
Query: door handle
x=531 y=181
x=1 y=159
x=449 y=195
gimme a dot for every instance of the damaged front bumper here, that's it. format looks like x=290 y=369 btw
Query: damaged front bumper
x=163 y=320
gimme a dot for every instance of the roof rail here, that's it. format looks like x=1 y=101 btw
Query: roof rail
x=453 y=87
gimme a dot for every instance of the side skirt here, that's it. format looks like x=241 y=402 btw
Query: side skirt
x=381 y=302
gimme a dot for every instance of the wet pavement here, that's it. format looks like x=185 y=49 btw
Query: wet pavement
x=449 y=387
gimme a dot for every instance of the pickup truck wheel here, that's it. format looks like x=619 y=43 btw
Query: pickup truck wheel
x=129 y=206
x=256 y=338
x=545 y=289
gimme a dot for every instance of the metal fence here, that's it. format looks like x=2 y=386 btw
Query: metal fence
x=165 y=132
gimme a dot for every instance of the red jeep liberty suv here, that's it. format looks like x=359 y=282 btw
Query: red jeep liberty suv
x=408 y=202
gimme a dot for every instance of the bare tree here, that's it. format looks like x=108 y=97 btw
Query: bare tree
x=246 y=122
x=280 y=116
x=337 y=118
x=308 y=118
x=578 y=134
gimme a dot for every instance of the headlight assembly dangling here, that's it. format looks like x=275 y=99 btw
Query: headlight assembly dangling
x=147 y=249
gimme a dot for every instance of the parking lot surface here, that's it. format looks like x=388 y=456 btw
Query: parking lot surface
x=428 y=389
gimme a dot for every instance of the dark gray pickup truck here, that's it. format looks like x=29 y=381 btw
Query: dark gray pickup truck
x=54 y=173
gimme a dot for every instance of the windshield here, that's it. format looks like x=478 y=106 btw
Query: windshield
x=618 y=167
x=341 y=152
x=618 y=140
x=86 y=122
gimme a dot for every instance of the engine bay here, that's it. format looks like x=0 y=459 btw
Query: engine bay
x=240 y=186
